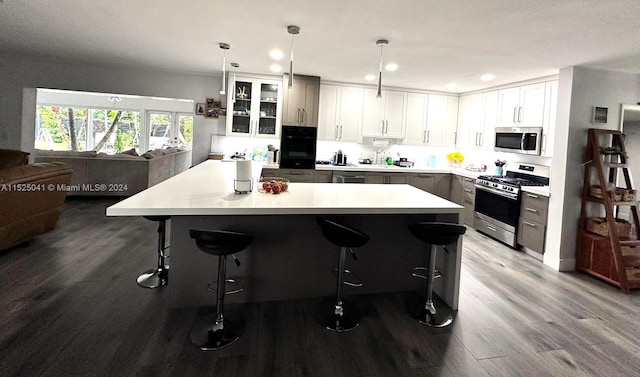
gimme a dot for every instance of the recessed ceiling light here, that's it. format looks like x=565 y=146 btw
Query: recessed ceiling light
x=370 y=77
x=452 y=85
x=487 y=77
x=276 y=54
x=275 y=68
x=391 y=67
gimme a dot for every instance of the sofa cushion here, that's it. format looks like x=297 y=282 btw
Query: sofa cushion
x=130 y=152
x=10 y=158
x=153 y=154
x=123 y=156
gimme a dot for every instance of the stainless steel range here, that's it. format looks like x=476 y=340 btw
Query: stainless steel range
x=497 y=201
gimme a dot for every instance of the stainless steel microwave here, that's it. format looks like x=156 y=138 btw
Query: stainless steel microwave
x=526 y=140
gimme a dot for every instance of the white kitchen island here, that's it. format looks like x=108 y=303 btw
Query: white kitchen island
x=289 y=257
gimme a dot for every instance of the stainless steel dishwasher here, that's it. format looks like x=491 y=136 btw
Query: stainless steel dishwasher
x=348 y=177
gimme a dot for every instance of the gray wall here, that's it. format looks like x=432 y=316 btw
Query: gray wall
x=18 y=75
x=579 y=90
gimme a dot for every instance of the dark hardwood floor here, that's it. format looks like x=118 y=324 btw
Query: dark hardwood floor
x=71 y=307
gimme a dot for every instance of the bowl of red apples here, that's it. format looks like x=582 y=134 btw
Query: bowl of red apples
x=273 y=185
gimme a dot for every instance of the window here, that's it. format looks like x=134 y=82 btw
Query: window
x=83 y=129
x=81 y=121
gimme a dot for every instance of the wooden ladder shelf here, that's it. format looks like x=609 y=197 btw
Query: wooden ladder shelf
x=613 y=256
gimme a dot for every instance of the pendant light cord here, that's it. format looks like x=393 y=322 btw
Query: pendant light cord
x=293 y=30
x=290 y=83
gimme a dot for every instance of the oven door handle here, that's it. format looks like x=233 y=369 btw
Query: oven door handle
x=507 y=195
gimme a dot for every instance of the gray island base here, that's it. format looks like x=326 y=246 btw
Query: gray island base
x=290 y=258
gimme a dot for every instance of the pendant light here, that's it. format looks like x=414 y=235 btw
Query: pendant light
x=224 y=47
x=293 y=30
x=380 y=43
x=233 y=90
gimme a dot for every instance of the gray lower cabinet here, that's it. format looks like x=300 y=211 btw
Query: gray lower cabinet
x=387 y=178
x=298 y=175
x=437 y=184
x=323 y=176
x=463 y=192
x=267 y=172
x=533 y=221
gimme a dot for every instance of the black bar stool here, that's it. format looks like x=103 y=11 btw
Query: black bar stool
x=338 y=315
x=159 y=276
x=435 y=234
x=214 y=331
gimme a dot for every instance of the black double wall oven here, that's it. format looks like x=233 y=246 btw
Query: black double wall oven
x=298 y=147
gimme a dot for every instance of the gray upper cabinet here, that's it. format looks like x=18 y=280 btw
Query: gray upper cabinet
x=301 y=103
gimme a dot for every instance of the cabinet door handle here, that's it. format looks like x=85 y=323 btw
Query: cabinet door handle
x=491 y=228
x=298 y=117
x=302 y=114
x=520 y=111
x=455 y=137
x=533 y=196
x=480 y=139
x=233 y=92
x=340 y=132
x=428 y=136
x=335 y=134
x=530 y=224
x=515 y=110
x=468 y=190
x=424 y=136
x=531 y=210
x=468 y=179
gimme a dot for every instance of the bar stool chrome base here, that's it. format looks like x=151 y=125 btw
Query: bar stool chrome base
x=209 y=335
x=434 y=314
x=153 y=278
x=326 y=316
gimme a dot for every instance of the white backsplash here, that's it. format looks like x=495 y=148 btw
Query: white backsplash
x=420 y=155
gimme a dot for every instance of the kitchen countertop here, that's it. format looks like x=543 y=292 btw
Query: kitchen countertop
x=207 y=189
x=392 y=168
x=539 y=190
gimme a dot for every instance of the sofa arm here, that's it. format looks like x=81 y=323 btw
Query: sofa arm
x=35 y=173
x=30 y=211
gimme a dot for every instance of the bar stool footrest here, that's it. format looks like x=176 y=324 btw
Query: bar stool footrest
x=421 y=272
x=235 y=286
x=354 y=280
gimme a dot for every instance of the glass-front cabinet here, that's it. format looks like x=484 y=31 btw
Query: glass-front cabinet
x=254 y=107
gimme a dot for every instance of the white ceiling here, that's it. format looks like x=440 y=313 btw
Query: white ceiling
x=434 y=42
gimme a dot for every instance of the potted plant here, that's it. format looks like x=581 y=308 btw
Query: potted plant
x=455 y=158
x=610 y=154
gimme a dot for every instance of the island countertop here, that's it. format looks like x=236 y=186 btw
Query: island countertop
x=207 y=189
